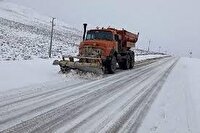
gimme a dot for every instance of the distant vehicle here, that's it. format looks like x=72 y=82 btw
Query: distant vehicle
x=101 y=50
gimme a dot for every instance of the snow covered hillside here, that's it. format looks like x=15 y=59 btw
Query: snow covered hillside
x=177 y=108
x=25 y=34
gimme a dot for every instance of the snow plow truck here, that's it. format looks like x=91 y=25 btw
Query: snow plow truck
x=101 y=50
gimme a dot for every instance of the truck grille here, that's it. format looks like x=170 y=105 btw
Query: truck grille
x=91 y=52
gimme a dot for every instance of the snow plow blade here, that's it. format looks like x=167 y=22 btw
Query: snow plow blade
x=92 y=65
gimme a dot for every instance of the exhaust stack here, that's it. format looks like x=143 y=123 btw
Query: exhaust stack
x=85 y=29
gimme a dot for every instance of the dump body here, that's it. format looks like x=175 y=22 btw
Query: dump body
x=128 y=39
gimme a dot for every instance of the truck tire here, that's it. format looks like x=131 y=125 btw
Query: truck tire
x=121 y=65
x=112 y=65
x=132 y=61
x=63 y=69
x=126 y=63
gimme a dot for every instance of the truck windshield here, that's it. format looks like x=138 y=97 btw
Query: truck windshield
x=99 y=35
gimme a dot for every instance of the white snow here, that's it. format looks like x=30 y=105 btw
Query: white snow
x=16 y=74
x=18 y=13
x=150 y=56
x=177 y=108
x=25 y=34
x=105 y=103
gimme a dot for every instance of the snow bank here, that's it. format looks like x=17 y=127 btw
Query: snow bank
x=177 y=108
x=18 y=74
x=144 y=57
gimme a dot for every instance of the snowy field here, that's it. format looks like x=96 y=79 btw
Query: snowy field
x=16 y=74
x=177 y=108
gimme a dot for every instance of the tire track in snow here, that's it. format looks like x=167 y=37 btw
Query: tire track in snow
x=19 y=113
x=110 y=91
x=85 y=98
x=102 y=124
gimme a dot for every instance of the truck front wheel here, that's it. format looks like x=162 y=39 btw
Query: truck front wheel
x=112 y=65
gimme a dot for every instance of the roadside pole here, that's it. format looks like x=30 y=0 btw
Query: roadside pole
x=52 y=26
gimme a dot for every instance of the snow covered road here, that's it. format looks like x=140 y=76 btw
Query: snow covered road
x=116 y=103
x=177 y=108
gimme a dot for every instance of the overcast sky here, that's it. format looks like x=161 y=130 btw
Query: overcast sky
x=174 y=25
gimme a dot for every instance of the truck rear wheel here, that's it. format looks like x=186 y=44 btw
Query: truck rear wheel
x=132 y=60
x=132 y=63
x=126 y=63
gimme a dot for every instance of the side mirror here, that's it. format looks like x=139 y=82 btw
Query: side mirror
x=116 y=38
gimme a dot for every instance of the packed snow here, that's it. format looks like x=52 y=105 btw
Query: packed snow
x=15 y=74
x=150 y=56
x=177 y=108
